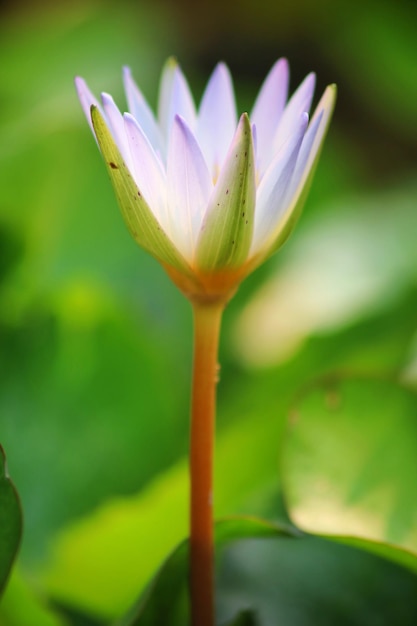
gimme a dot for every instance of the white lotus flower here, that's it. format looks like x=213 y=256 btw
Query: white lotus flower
x=209 y=196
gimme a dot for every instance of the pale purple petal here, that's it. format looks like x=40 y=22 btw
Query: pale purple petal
x=116 y=125
x=189 y=186
x=141 y=111
x=300 y=102
x=255 y=140
x=312 y=142
x=165 y=89
x=175 y=99
x=86 y=99
x=217 y=119
x=268 y=109
x=272 y=191
x=148 y=172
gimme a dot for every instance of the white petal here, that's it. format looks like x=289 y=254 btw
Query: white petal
x=175 y=99
x=148 y=172
x=268 y=109
x=300 y=102
x=117 y=128
x=217 y=119
x=312 y=142
x=272 y=192
x=307 y=160
x=86 y=99
x=141 y=111
x=165 y=89
x=255 y=139
x=139 y=218
x=189 y=187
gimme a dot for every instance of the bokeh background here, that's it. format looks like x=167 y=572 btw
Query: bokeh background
x=95 y=343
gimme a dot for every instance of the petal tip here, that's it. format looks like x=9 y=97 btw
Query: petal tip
x=129 y=119
x=333 y=89
x=329 y=97
x=171 y=63
x=106 y=97
x=311 y=79
x=222 y=67
x=281 y=65
x=81 y=85
x=95 y=114
x=126 y=74
x=245 y=121
x=180 y=121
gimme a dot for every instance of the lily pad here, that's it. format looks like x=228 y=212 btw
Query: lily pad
x=350 y=465
x=311 y=581
x=166 y=599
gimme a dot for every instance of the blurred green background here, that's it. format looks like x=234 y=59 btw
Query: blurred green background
x=95 y=343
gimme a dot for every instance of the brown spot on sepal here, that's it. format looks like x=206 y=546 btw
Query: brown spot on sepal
x=113 y=165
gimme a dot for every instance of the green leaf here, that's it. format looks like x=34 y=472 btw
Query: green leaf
x=166 y=599
x=312 y=581
x=350 y=465
x=129 y=537
x=10 y=522
x=20 y=605
x=139 y=218
x=227 y=229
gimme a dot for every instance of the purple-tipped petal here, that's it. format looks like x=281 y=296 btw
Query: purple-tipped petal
x=303 y=173
x=138 y=216
x=255 y=140
x=165 y=89
x=148 y=171
x=312 y=142
x=175 y=99
x=300 y=102
x=189 y=186
x=217 y=119
x=268 y=109
x=272 y=191
x=141 y=111
x=117 y=128
x=86 y=99
x=203 y=193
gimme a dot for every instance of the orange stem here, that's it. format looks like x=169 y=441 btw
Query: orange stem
x=207 y=320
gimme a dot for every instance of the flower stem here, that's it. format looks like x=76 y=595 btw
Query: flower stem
x=207 y=320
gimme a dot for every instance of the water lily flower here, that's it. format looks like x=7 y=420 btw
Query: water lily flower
x=210 y=196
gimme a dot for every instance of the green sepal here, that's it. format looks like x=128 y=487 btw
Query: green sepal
x=141 y=222
x=10 y=522
x=227 y=230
